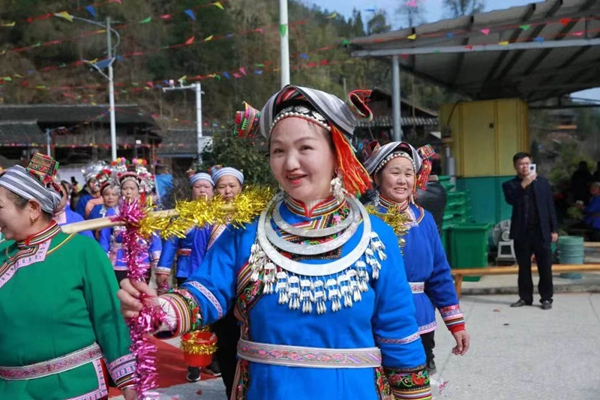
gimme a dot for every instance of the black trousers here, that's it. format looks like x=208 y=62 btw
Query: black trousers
x=428 y=344
x=228 y=334
x=533 y=244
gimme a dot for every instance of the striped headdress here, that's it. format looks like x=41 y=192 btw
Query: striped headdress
x=36 y=182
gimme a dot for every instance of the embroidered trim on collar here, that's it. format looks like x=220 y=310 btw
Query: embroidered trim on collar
x=46 y=234
x=390 y=204
x=327 y=206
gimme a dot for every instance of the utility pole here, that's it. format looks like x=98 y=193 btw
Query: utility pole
x=197 y=87
x=98 y=66
x=48 y=143
x=285 y=44
x=111 y=94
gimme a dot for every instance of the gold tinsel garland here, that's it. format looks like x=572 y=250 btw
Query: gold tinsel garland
x=190 y=346
x=398 y=220
x=187 y=214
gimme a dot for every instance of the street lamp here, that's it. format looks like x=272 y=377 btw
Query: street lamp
x=110 y=77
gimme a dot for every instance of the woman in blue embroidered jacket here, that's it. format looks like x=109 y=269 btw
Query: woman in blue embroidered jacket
x=135 y=183
x=398 y=169
x=202 y=187
x=318 y=284
x=110 y=191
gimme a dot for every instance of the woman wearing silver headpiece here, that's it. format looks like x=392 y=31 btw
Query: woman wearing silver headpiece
x=317 y=283
x=135 y=183
x=90 y=194
x=398 y=169
x=61 y=327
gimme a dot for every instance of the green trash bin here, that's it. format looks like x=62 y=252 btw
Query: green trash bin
x=445 y=236
x=571 y=251
x=469 y=247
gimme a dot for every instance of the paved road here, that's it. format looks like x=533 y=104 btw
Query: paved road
x=523 y=353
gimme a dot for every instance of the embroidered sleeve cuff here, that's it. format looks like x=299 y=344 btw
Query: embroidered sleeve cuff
x=457 y=328
x=121 y=371
x=409 y=383
x=453 y=317
x=177 y=314
x=405 y=340
x=182 y=313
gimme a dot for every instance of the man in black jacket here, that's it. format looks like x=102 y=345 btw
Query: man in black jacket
x=533 y=228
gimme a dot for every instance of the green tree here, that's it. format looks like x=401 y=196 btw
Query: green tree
x=249 y=155
x=378 y=24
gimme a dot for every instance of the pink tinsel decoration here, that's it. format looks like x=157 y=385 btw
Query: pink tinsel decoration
x=140 y=328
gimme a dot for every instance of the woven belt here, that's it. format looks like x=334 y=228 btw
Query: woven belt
x=308 y=357
x=54 y=366
x=184 y=252
x=417 y=287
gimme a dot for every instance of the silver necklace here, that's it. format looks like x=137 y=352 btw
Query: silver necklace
x=310 y=250
x=313 y=233
x=315 y=269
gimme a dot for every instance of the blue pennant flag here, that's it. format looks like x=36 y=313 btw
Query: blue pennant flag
x=226 y=75
x=190 y=14
x=91 y=10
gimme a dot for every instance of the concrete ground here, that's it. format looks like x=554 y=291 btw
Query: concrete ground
x=523 y=353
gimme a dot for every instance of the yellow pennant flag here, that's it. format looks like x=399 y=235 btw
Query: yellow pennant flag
x=412 y=37
x=332 y=16
x=218 y=5
x=208 y=39
x=3 y=52
x=183 y=78
x=505 y=43
x=65 y=15
x=17 y=76
x=9 y=24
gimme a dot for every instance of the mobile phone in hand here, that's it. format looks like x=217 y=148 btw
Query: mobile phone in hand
x=533 y=168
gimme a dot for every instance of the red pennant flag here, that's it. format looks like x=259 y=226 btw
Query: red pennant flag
x=565 y=21
x=243 y=70
x=236 y=75
x=323 y=62
x=189 y=41
x=470 y=47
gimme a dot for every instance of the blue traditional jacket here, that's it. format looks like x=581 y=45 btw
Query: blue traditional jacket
x=189 y=250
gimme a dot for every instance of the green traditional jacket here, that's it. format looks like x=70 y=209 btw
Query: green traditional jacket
x=58 y=301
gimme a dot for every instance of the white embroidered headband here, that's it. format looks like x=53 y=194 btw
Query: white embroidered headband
x=300 y=111
x=391 y=157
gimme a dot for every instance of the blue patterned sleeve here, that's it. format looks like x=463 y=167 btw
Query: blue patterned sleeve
x=213 y=284
x=395 y=325
x=167 y=255
x=155 y=250
x=440 y=286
